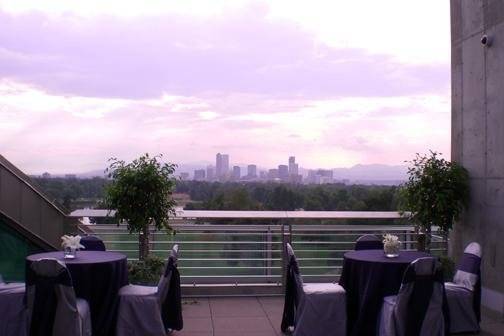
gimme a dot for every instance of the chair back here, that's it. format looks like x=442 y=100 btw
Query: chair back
x=419 y=305
x=293 y=289
x=468 y=274
x=92 y=243
x=51 y=300
x=368 y=242
x=169 y=293
x=164 y=281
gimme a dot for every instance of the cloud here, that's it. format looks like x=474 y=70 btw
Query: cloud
x=238 y=52
x=41 y=131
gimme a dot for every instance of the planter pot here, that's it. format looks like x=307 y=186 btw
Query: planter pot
x=421 y=242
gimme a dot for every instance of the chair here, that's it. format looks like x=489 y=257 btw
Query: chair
x=150 y=310
x=417 y=310
x=464 y=293
x=368 y=242
x=315 y=309
x=13 y=315
x=53 y=308
x=92 y=243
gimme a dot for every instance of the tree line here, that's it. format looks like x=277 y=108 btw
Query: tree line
x=69 y=192
x=288 y=197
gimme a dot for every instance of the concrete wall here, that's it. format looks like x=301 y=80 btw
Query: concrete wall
x=478 y=134
x=26 y=205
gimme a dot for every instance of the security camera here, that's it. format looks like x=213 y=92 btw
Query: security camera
x=486 y=40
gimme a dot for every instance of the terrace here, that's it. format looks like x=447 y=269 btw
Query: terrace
x=233 y=264
x=260 y=316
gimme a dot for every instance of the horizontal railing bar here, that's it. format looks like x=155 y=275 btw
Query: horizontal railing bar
x=209 y=251
x=233 y=276
x=212 y=214
x=194 y=242
x=231 y=259
x=230 y=267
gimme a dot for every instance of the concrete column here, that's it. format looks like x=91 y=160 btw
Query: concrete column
x=478 y=134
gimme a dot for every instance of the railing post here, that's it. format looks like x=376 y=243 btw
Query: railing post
x=284 y=255
x=408 y=239
x=269 y=262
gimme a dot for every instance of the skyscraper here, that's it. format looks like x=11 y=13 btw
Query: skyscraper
x=252 y=171
x=293 y=166
x=199 y=174
x=210 y=173
x=236 y=173
x=221 y=165
x=283 y=172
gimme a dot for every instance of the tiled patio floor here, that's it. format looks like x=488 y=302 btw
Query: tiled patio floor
x=258 y=316
x=237 y=316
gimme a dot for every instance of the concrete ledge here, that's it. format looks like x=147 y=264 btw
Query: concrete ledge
x=493 y=300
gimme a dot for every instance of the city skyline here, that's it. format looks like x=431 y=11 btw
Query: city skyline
x=255 y=79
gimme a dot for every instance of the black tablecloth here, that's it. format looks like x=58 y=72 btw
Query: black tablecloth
x=368 y=276
x=96 y=277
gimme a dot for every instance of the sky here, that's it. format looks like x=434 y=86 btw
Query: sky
x=335 y=83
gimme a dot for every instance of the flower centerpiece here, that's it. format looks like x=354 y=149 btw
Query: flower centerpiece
x=391 y=245
x=70 y=245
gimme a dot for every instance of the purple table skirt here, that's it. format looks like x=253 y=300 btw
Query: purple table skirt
x=368 y=276
x=97 y=277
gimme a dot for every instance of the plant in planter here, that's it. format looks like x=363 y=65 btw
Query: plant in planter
x=147 y=271
x=436 y=193
x=141 y=193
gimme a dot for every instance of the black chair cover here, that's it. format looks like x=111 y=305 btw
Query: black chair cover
x=368 y=242
x=92 y=243
x=45 y=301
x=291 y=293
x=421 y=293
x=171 y=310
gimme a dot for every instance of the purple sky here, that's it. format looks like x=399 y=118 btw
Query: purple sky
x=329 y=82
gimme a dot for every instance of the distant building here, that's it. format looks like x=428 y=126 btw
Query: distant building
x=221 y=165
x=46 y=175
x=210 y=173
x=293 y=166
x=283 y=172
x=199 y=174
x=70 y=176
x=236 y=173
x=263 y=175
x=273 y=174
x=320 y=176
x=184 y=176
x=251 y=171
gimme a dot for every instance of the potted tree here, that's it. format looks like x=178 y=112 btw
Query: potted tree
x=436 y=193
x=141 y=194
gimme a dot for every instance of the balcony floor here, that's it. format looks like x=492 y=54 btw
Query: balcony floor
x=258 y=316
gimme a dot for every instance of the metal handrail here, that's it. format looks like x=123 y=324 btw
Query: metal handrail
x=220 y=253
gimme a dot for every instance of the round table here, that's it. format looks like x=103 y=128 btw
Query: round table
x=97 y=277
x=368 y=276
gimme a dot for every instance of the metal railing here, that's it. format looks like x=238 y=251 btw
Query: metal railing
x=248 y=248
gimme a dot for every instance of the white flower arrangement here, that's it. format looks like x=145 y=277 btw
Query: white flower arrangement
x=391 y=244
x=71 y=242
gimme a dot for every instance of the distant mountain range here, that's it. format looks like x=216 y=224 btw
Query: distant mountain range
x=371 y=172
x=360 y=174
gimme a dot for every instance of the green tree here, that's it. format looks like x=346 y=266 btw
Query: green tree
x=436 y=193
x=141 y=194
